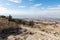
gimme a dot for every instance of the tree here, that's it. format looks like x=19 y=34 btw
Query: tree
x=9 y=18
x=3 y=16
x=23 y=22
x=31 y=23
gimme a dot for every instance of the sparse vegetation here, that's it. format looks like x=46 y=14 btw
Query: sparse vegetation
x=18 y=21
x=3 y=16
x=24 y=28
x=9 y=19
x=31 y=23
x=23 y=22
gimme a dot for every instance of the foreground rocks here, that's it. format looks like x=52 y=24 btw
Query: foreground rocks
x=33 y=34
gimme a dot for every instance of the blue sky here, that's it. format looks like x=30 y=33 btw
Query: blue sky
x=30 y=7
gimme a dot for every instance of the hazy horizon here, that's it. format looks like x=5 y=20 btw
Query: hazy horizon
x=30 y=8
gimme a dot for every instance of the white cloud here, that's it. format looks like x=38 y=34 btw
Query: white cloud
x=49 y=11
x=53 y=12
x=37 y=5
x=52 y=8
x=16 y=1
x=17 y=12
x=21 y=6
x=5 y=11
x=33 y=7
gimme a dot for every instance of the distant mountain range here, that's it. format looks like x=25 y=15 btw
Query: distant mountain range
x=36 y=16
x=47 y=17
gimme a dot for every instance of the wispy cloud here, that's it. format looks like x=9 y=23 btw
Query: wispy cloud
x=21 y=6
x=6 y=11
x=16 y=1
x=46 y=11
x=23 y=10
x=57 y=7
x=37 y=5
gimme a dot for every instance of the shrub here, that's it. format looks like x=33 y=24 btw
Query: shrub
x=18 y=21
x=3 y=16
x=31 y=23
x=10 y=18
x=23 y=22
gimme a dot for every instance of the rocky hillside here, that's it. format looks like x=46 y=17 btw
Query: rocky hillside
x=46 y=30
x=29 y=33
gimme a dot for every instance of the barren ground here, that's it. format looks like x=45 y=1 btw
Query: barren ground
x=37 y=32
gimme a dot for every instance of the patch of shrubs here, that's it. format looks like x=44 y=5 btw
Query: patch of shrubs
x=31 y=23
x=3 y=16
x=18 y=21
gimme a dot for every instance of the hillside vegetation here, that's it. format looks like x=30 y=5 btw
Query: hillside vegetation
x=33 y=29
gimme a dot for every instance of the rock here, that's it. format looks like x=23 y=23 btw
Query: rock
x=11 y=37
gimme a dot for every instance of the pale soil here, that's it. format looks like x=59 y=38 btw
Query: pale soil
x=37 y=34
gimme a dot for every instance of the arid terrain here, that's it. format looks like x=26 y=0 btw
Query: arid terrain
x=41 y=30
